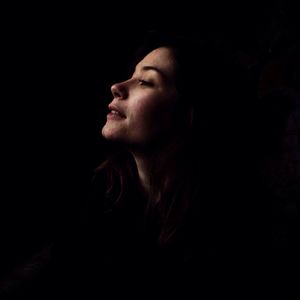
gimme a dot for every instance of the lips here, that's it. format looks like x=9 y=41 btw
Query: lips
x=116 y=111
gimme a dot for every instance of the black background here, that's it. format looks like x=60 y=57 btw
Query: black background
x=58 y=65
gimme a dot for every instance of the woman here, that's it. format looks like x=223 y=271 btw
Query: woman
x=155 y=215
x=173 y=137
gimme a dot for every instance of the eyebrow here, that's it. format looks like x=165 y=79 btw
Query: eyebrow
x=152 y=68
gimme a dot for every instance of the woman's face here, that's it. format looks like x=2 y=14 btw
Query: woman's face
x=142 y=111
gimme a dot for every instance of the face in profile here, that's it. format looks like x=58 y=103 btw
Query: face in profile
x=143 y=107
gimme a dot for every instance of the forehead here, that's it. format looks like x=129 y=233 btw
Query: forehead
x=161 y=58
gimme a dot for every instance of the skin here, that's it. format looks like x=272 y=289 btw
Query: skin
x=142 y=112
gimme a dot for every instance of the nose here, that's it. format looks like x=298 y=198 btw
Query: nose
x=119 y=91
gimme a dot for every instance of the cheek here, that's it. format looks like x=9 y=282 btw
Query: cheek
x=154 y=114
x=144 y=110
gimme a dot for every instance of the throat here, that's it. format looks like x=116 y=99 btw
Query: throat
x=144 y=168
x=144 y=183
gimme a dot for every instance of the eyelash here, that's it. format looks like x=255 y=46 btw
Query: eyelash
x=144 y=82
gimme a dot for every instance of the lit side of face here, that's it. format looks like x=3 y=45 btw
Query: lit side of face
x=142 y=111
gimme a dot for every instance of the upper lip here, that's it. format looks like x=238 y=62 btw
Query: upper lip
x=116 y=108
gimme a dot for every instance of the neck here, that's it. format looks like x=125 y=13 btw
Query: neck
x=144 y=159
x=143 y=163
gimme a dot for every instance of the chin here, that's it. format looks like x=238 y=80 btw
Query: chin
x=105 y=133
x=110 y=135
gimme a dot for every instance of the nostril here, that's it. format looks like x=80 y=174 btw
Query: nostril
x=114 y=91
x=116 y=94
x=118 y=91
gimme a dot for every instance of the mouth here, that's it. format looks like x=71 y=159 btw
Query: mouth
x=115 y=112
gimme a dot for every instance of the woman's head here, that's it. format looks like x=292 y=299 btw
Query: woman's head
x=178 y=87
x=168 y=82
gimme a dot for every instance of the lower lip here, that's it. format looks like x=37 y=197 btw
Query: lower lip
x=111 y=116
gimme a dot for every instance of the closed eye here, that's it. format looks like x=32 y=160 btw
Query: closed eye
x=144 y=82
